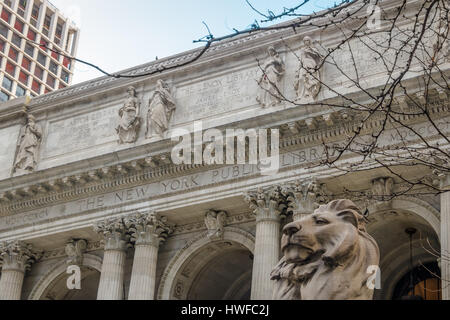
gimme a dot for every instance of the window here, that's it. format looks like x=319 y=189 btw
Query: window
x=65 y=76
x=55 y=55
x=23 y=77
x=66 y=62
x=58 y=33
x=35 y=11
x=44 y=45
x=22 y=7
x=26 y=63
x=35 y=15
x=53 y=67
x=2 y=45
x=8 y=3
x=36 y=86
x=4 y=30
x=23 y=4
x=47 y=22
x=31 y=35
x=20 y=91
x=7 y=83
x=3 y=96
x=6 y=15
x=39 y=73
x=10 y=68
x=18 y=25
x=50 y=81
x=29 y=50
x=17 y=40
x=13 y=54
x=42 y=58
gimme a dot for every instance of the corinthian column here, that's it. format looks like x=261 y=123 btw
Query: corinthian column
x=268 y=206
x=114 y=234
x=303 y=198
x=16 y=258
x=445 y=237
x=149 y=230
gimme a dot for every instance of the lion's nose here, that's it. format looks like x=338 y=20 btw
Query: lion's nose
x=291 y=229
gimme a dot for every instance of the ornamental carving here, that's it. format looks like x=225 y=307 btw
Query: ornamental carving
x=148 y=228
x=30 y=139
x=17 y=255
x=215 y=223
x=273 y=70
x=129 y=120
x=114 y=233
x=267 y=203
x=304 y=197
x=74 y=250
x=326 y=256
x=161 y=109
x=308 y=80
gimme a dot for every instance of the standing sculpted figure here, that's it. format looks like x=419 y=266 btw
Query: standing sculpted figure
x=269 y=83
x=129 y=123
x=28 y=147
x=307 y=81
x=161 y=109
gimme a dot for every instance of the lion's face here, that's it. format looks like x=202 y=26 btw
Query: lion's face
x=317 y=235
x=326 y=256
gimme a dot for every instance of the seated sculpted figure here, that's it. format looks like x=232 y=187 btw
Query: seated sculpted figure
x=326 y=256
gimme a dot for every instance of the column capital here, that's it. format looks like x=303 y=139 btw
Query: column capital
x=148 y=228
x=444 y=180
x=114 y=233
x=268 y=204
x=304 y=197
x=17 y=255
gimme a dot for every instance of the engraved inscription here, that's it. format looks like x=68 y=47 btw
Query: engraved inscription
x=81 y=132
x=215 y=96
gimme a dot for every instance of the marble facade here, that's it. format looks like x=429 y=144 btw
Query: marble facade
x=142 y=218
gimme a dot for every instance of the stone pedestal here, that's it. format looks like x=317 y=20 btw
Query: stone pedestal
x=16 y=258
x=112 y=274
x=268 y=207
x=148 y=231
x=445 y=238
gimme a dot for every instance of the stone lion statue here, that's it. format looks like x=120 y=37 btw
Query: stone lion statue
x=326 y=256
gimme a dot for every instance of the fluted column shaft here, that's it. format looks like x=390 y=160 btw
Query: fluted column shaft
x=143 y=277
x=11 y=284
x=148 y=230
x=16 y=258
x=112 y=274
x=111 y=278
x=268 y=206
x=266 y=257
x=445 y=239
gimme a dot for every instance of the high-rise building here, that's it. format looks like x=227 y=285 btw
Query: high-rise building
x=26 y=68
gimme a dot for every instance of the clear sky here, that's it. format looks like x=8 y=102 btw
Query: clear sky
x=119 y=34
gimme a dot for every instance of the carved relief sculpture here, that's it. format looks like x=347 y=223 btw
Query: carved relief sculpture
x=161 y=108
x=326 y=256
x=129 y=122
x=30 y=139
x=215 y=223
x=74 y=250
x=270 y=81
x=307 y=81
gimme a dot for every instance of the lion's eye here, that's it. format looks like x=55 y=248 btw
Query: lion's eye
x=321 y=221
